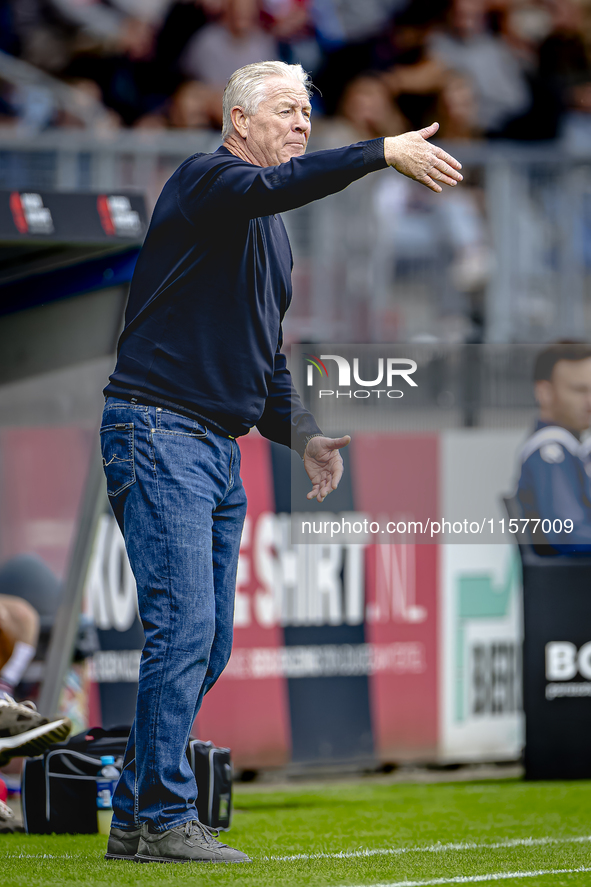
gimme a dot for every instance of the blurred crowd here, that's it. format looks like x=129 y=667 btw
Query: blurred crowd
x=509 y=69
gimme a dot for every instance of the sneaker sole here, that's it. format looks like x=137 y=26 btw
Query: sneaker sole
x=116 y=856
x=33 y=742
x=139 y=858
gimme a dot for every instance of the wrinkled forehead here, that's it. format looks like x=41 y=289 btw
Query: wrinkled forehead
x=284 y=89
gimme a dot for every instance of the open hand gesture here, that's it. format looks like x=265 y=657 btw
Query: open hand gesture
x=415 y=157
x=324 y=464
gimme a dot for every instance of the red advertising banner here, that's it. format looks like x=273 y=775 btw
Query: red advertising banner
x=397 y=476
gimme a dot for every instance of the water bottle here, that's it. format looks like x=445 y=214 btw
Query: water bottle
x=105 y=786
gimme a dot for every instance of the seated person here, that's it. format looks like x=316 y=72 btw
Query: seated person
x=555 y=481
x=19 y=633
x=23 y=730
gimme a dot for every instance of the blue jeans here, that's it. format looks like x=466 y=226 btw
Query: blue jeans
x=176 y=492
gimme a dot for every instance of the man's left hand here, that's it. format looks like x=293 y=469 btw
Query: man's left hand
x=324 y=464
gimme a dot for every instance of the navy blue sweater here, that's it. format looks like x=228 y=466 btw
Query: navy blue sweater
x=211 y=286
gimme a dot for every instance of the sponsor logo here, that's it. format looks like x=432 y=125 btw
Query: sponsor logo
x=487 y=646
x=390 y=371
x=115 y=666
x=29 y=214
x=117 y=217
x=281 y=583
x=327 y=660
x=563 y=663
x=496 y=677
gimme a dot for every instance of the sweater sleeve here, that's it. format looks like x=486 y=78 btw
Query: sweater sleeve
x=285 y=419
x=236 y=187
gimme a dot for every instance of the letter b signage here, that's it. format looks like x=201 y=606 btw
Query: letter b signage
x=563 y=661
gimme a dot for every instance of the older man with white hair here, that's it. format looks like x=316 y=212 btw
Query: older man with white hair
x=199 y=364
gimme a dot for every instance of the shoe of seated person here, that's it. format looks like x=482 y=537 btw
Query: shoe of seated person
x=189 y=842
x=8 y=821
x=26 y=733
x=122 y=844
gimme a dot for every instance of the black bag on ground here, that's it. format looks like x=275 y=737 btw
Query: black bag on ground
x=58 y=790
x=212 y=767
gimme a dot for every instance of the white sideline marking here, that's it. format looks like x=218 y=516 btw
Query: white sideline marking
x=472 y=879
x=40 y=856
x=431 y=848
x=389 y=851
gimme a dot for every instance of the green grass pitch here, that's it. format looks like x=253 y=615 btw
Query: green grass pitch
x=361 y=832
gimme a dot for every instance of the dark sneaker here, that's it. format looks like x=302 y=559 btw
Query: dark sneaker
x=190 y=842
x=122 y=844
x=35 y=741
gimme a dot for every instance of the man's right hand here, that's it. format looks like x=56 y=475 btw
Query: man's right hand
x=415 y=157
x=324 y=464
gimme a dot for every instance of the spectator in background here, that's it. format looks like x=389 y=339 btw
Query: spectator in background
x=184 y=20
x=220 y=48
x=40 y=34
x=454 y=226
x=498 y=76
x=93 y=17
x=565 y=69
x=456 y=109
x=349 y=36
x=128 y=77
x=105 y=18
x=367 y=108
x=290 y=23
x=192 y=106
x=23 y=731
x=555 y=480
x=87 y=97
x=413 y=77
x=27 y=578
x=523 y=68
x=33 y=592
x=19 y=633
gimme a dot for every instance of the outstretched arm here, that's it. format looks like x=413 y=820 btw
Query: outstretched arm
x=244 y=189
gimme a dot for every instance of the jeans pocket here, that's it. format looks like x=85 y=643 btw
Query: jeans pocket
x=171 y=423
x=118 y=461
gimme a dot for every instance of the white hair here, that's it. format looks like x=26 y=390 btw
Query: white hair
x=246 y=88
